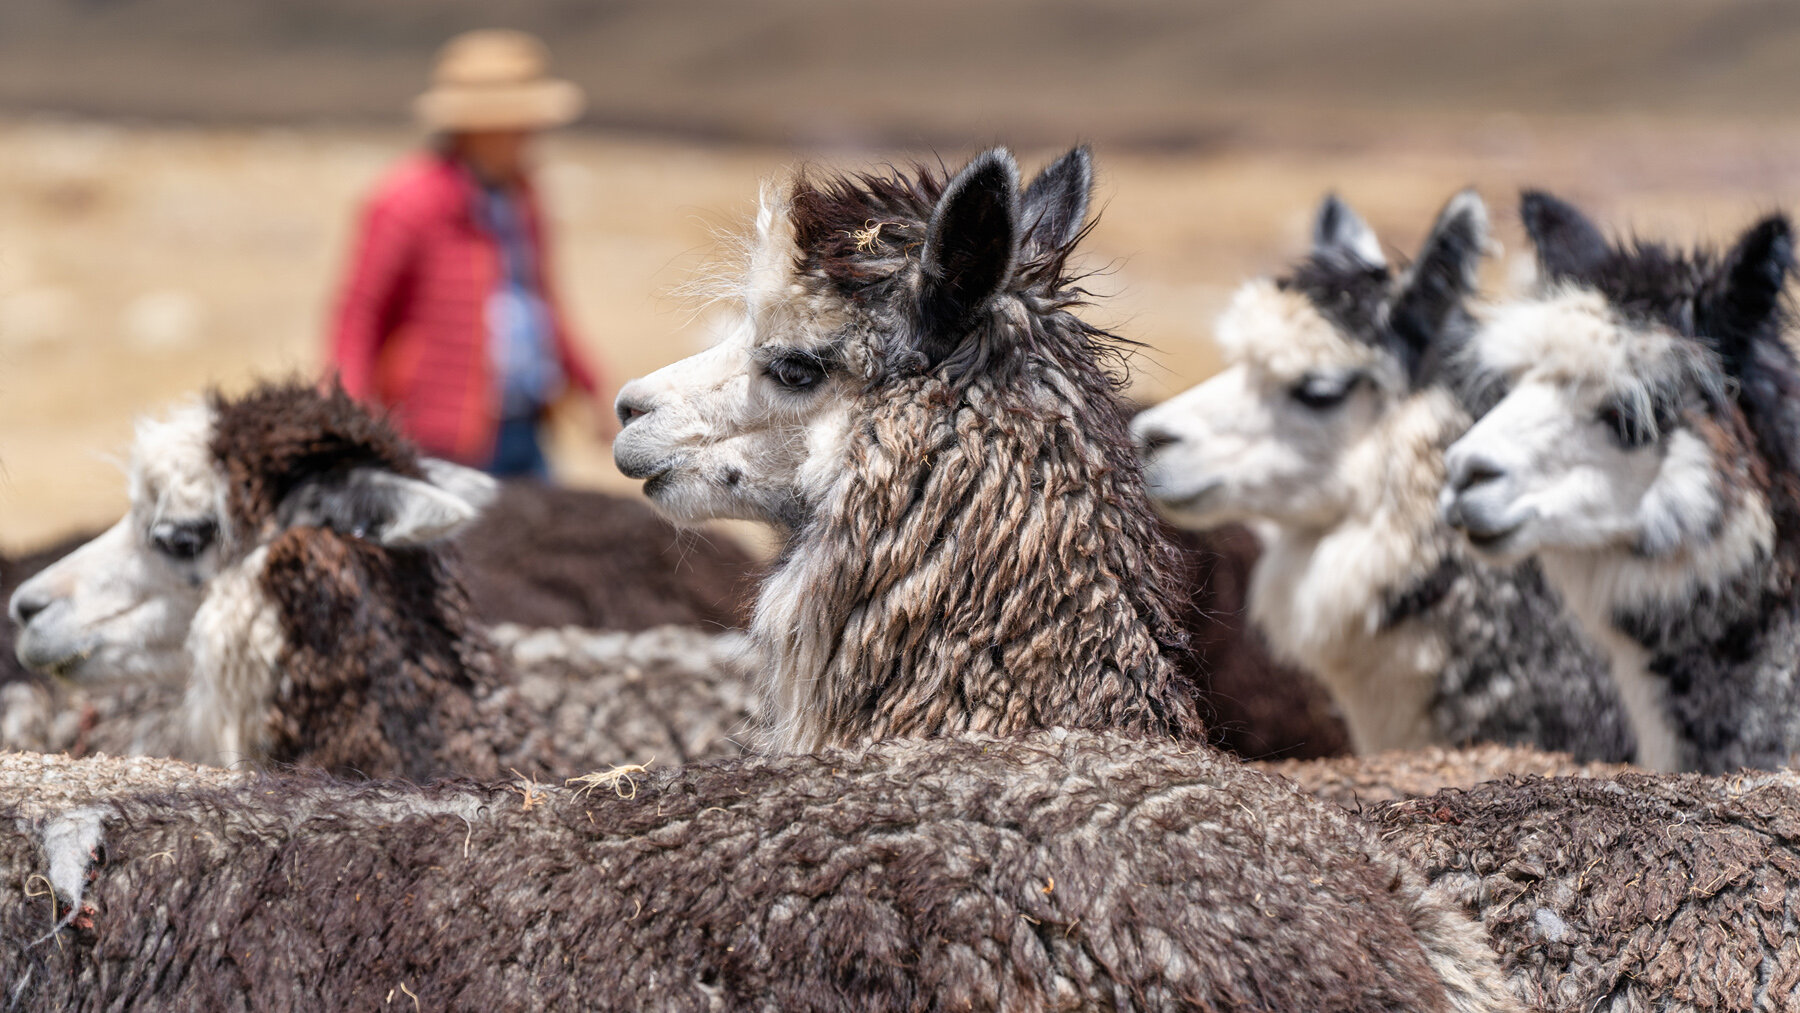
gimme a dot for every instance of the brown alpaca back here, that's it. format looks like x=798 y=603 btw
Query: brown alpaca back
x=544 y=555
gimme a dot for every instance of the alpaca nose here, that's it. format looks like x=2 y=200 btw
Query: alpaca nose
x=26 y=604
x=1468 y=471
x=632 y=404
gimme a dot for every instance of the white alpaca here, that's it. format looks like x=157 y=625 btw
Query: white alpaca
x=1644 y=448
x=1325 y=432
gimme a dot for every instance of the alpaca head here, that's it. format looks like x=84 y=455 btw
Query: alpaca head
x=910 y=397
x=211 y=487
x=1643 y=407
x=1325 y=402
x=853 y=284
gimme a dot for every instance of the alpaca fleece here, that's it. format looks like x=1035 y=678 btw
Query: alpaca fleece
x=1358 y=781
x=1252 y=705
x=596 y=699
x=547 y=556
x=1054 y=871
x=1640 y=893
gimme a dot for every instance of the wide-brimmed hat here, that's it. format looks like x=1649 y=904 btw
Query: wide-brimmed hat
x=495 y=80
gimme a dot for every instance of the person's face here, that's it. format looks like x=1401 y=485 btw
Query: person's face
x=498 y=155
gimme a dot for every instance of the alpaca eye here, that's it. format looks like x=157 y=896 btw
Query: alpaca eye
x=1629 y=429
x=1322 y=392
x=794 y=372
x=183 y=541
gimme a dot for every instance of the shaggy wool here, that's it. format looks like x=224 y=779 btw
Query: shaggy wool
x=1357 y=781
x=984 y=557
x=1056 y=871
x=671 y=695
x=1639 y=894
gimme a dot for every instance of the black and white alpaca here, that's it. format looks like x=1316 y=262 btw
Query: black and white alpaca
x=285 y=548
x=1645 y=445
x=911 y=400
x=1056 y=870
x=1326 y=433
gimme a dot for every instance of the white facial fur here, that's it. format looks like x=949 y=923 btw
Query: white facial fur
x=1614 y=527
x=716 y=434
x=119 y=606
x=1541 y=472
x=1243 y=446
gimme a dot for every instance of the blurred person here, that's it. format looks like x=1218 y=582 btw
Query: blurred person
x=447 y=317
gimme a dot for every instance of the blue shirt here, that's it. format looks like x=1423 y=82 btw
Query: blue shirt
x=521 y=343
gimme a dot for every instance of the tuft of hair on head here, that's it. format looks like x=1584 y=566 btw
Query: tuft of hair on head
x=299 y=456
x=1568 y=244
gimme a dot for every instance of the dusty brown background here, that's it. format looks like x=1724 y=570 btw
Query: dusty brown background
x=177 y=177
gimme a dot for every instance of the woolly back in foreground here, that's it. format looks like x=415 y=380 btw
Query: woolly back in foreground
x=982 y=556
x=1050 y=871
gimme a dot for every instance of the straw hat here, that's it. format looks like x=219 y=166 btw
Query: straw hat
x=494 y=80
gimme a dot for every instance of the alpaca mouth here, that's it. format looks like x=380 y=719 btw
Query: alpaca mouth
x=1490 y=539
x=1189 y=501
x=656 y=483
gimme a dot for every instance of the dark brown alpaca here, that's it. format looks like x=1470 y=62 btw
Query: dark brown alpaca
x=1056 y=870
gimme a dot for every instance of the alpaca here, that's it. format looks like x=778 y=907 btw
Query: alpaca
x=1643 y=442
x=910 y=400
x=1326 y=432
x=1051 y=870
x=284 y=547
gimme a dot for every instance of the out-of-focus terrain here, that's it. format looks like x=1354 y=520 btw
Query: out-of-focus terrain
x=178 y=178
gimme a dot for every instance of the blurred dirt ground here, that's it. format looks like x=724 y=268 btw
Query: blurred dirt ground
x=141 y=263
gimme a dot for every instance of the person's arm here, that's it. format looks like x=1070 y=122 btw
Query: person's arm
x=385 y=247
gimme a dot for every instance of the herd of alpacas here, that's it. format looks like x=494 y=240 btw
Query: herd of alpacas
x=323 y=724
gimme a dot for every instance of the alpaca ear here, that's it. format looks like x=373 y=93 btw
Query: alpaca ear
x=1442 y=277
x=1568 y=245
x=970 y=246
x=1341 y=236
x=378 y=505
x=1748 y=287
x=476 y=488
x=1056 y=202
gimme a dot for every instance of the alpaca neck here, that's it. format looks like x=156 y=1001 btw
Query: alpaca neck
x=977 y=566
x=235 y=643
x=1658 y=616
x=1313 y=597
x=1324 y=595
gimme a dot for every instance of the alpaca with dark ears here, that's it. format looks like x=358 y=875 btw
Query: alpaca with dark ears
x=1326 y=434
x=1642 y=442
x=282 y=573
x=911 y=401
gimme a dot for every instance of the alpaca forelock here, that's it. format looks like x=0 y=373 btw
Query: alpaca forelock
x=909 y=399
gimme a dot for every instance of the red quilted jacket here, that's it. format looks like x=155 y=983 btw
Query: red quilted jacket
x=411 y=329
